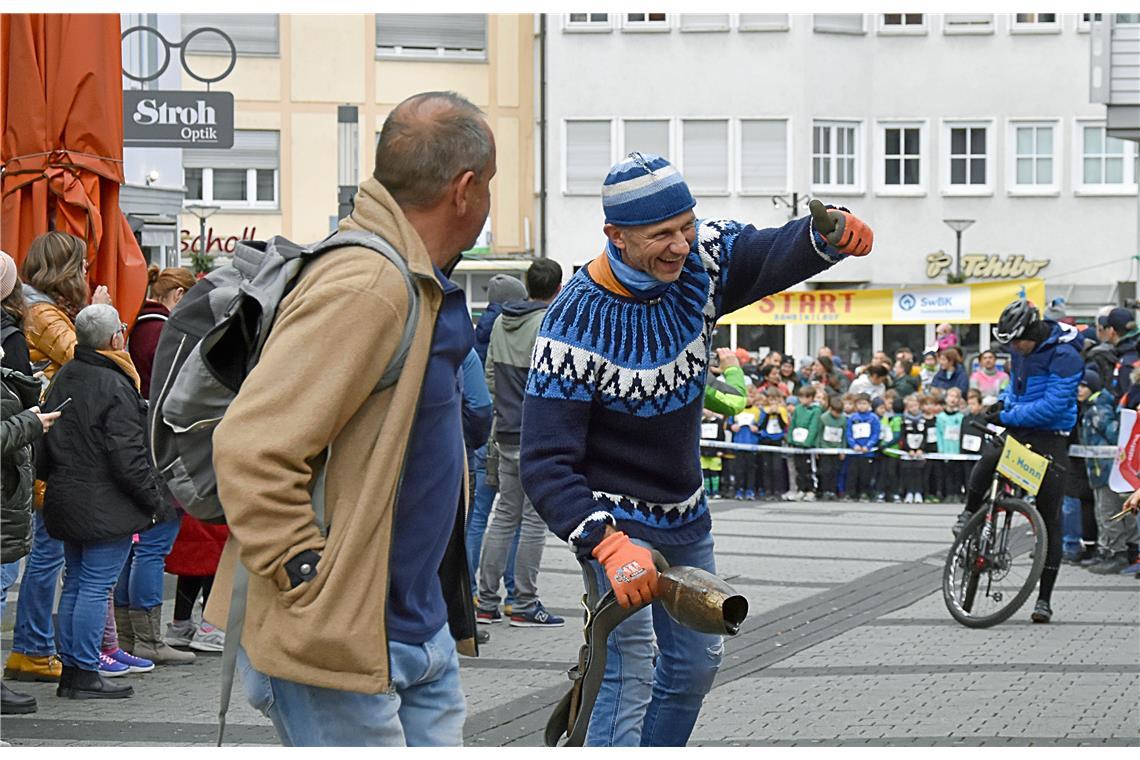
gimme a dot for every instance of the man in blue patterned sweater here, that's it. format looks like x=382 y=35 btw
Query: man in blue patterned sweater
x=611 y=419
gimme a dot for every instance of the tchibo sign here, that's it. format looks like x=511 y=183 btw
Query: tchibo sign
x=178 y=119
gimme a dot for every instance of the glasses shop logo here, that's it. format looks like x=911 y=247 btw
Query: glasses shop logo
x=178 y=119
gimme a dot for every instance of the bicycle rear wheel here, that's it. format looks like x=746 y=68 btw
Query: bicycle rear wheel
x=983 y=583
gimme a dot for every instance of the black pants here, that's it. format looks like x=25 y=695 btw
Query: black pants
x=887 y=476
x=828 y=470
x=186 y=593
x=932 y=478
x=1049 y=498
x=803 y=473
x=954 y=477
x=745 y=470
x=911 y=474
x=859 y=474
x=773 y=472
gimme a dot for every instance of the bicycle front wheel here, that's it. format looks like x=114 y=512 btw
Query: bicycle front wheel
x=988 y=575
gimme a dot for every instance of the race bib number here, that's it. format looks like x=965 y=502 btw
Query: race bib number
x=833 y=434
x=800 y=435
x=971 y=443
x=884 y=433
x=932 y=435
x=860 y=430
x=914 y=440
x=774 y=427
x=745 y=419
x=953 y=432
x=709 y=430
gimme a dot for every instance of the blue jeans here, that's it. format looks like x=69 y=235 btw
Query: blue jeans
x=640 y=704
x=477 y=526
x=34 y=634
x=140 y=584
x=9 y=572
x=90 y=571
x=1071 y=525
x=424 y=708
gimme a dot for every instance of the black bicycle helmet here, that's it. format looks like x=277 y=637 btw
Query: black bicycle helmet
x=1015 y=320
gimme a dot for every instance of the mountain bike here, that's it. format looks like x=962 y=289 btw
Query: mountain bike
x=997 y=557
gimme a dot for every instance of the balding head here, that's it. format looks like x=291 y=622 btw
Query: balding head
x=426 y=142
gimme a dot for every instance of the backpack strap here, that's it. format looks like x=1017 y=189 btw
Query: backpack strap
x=236 y=616
x=378 y=244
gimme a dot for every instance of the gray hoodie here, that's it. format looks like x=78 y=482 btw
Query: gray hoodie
x=508 y=361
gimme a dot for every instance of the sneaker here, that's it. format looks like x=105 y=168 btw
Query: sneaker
x=486 y=617
x=134 y=664
x=789 y=495
x=918 y=498
x=829 y=496
x=482 y=637
x=1094 y=558
x=179 y=633
x=1112 y=565
x=896 y=499
x=1042 y=613
x=963 y=518
x=1132 y=569
x=909 y=499
x=739 y=495
x=880 y=498
x=750 y=495
x=208 y=638
x=809 y=496
x=933 y=500
x=109 y=667
x=536 y=617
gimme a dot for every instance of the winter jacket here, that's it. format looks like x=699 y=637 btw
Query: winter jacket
x=19 y=429
x=949 y=425
x=476 y=404
x=1043 y=392
x=331 y=631
x=49 y=331
x=508 y=362
x=971 y=440
x=906 y=384
x=931 y=445
x=956 y=378
x=1127 y=353
x=14 y=344
x=831 y=430
x=890 y=430
x=101 y=484
x=197 y=549
x=749 y=432
x=863 y=430
x=913 y=434
x=1101 y=358
x=803 y=432
x=483 y=329
x=774 y=425
x=863 y=384
x=990 y=385
x=1100 y=426
x=144 y=340
x=726 y=395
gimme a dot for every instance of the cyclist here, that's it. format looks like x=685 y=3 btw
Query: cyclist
x=1039 y=408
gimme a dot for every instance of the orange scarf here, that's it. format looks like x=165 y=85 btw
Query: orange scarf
x=123 y=359
x=602 y=273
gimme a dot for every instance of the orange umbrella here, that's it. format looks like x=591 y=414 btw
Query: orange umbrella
x=61 y=142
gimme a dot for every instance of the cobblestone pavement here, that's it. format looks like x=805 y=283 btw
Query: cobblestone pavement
x=847 y=643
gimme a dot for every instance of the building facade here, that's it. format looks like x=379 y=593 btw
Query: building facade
x=907 y=119
x=293 y=146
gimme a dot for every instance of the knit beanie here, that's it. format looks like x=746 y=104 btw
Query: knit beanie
x=1092 y=380
x=504 y=289
x=644 y=188
x=8 y=278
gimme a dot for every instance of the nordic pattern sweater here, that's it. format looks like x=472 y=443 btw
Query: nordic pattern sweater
x=611 y=419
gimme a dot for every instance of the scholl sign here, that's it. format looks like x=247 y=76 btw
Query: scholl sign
x=178 y=119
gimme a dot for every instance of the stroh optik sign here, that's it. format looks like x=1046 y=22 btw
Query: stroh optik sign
x=176 y=119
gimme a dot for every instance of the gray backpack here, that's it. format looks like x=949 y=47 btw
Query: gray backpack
x=212 y=340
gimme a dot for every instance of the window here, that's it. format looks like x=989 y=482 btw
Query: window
x=1126 y=18
x=1033 y=157
x=704 y=22
x=645 y=22
x=1035 y=23
x=588 y=155
x=252 y=33
x=901 y=169
x=431 y=35
x=704 y=155
x=1084 y=21
x=902 y=23
x=968 y=23
x=833 y=156
x=1105 y=163
x=243 y=177
x=763 y=22
x=839 y=23
x=646 y=136
x=968 y=151
x=764 y=155
x=586 y=22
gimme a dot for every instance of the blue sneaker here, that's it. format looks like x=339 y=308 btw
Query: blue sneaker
x=134 y=664
x=109 y=667
x=536 y=617
x=749 y=495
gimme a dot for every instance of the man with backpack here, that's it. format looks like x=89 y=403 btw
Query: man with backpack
x=352 y=621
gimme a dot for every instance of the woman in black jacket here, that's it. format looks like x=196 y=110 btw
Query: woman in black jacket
x=101 y=489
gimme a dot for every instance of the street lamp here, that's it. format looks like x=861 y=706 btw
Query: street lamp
x=958 y=225
x=203 y=211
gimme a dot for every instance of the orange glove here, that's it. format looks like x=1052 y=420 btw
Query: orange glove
x=630 y=569
x=851 y=234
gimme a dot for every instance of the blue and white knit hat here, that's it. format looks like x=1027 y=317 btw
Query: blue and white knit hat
x=644 y=188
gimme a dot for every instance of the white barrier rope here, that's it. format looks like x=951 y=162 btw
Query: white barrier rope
x=1081 y=452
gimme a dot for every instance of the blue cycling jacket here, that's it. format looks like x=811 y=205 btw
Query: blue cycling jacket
x=1042 y=393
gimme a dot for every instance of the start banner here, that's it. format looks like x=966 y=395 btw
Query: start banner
x=966 y=303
